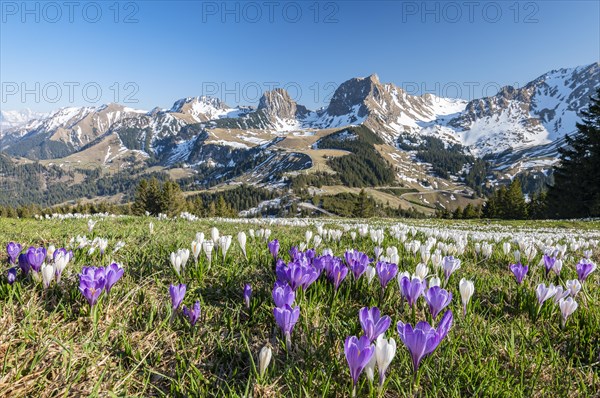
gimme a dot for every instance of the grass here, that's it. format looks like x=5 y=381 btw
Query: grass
x=49 y=345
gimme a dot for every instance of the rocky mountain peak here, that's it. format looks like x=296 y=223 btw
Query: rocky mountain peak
x=352 y=94
x=278 y=103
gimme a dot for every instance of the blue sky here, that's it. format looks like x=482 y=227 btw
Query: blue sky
x=150 y=53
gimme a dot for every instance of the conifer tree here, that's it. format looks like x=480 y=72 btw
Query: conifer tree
x=363 y=207
x=576 y=189
x=140 y=205
x=172 y=202
x=515 y=206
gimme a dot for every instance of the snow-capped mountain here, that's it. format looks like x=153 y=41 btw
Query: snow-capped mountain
x=539 y=113
x=63 y=132
x=205 y=108
x=512 y=121
x=12 y=119
x=385 y=108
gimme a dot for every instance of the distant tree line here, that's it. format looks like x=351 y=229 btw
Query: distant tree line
x=506 y=202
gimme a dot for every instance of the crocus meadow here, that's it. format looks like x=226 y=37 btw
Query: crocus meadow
x=284 y=307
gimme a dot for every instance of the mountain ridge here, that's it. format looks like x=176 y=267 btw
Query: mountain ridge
x=516 y=130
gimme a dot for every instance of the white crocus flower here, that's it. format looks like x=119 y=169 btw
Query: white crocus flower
x=208 y=246
x=317 y=241
x=421 y=271
x=91 y=224
x=517 y=255
x=370 y=273
x=506 y=248
x=224 y=244
x=560 y=293
x=385 y=350
x=60 y=263
x=308 y=236
x=102 y=244
x=176 y=261
x=214 y=235
x=47 y=274
x=557 y=267
x=118 y=246
x=567 y=307
x=241 y=237
x=196 y=249
x=264 y=358
x=437 y=259
x=574 y=286
x=467 y=288
x=50 y=252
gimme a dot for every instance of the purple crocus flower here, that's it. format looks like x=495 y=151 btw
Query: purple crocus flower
x=412 y=289
x=36 y=257
x=378 y=251
x=63 y=252
x=437 y=299
x=12 y=275
x=247 y=294
x=372 y=323
x=24 y=264
x=114 y=272
x=358 y=354
x=357 y=261
x=544 y=292
x=293 y=252
x=177 y=293
x=445 y=324
x=295 y=274
x=548 y=263
x=311 y=274
x=322 y=263
x=280 y=270
x=520 y=271
x=286 y=317
x=337 y=273
x=13 y=249
x=283 y=295
x=423 y=339
x=274 y=247
x=92 y=282
x=386 y=272
x=584 y=268
x=310 y=254
x=93 y=273
x=192 y=314
x=450 y=264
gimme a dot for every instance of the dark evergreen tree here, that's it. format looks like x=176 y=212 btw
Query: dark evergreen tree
x=141 y=203
x=171 y=200
x=364 y=206
x=576 y=189
x=458 y=213
x=469 y=212
x=537 y=206
x=515 y=205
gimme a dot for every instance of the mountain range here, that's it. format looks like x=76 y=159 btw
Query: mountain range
x=516 y=132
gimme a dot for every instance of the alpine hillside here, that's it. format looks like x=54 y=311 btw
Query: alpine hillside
x=407 y=151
